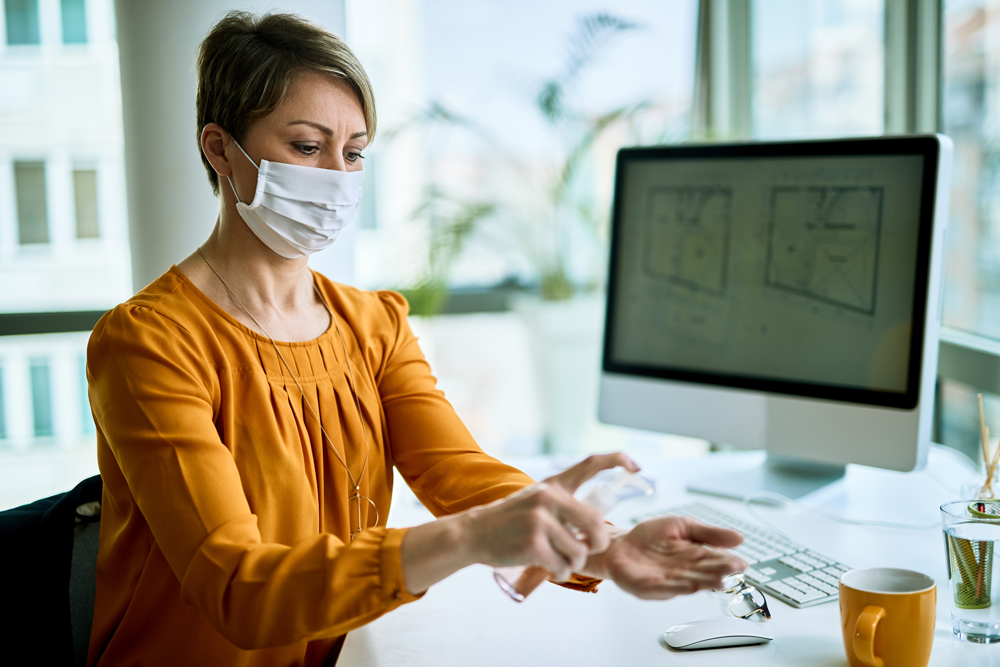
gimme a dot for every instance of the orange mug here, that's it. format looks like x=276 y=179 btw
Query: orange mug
x=887 y=617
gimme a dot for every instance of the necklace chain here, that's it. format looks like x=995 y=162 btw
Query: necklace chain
x=354 y=482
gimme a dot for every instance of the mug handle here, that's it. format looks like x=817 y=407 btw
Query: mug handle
x=864 y=635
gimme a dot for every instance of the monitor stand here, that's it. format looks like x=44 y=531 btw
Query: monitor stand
x=790 y=477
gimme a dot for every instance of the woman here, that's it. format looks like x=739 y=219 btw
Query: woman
x=250 y=411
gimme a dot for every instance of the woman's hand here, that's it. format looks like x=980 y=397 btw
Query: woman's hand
x=544 y=524
x=669 y=556
x=539 y=525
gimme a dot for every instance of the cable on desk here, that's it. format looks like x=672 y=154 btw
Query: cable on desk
x=785 y=500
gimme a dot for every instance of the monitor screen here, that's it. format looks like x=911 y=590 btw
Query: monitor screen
x=795 y=268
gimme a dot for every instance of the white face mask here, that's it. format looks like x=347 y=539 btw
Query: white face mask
x=299 y=210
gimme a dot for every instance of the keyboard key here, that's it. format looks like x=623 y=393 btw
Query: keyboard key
x=808 y=596
x=757 y=576
x=824 y=561
x=819 y=585
x=812 y=562
x=795 y=563
x=784 y=589
x=811 y=580
x=826 y=578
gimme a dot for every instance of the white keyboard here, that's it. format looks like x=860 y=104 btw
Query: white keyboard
x=785 y=570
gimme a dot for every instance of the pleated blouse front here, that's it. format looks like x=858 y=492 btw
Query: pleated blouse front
x=226 y=523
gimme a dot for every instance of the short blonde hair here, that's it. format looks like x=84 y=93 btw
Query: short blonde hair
x=246 y=64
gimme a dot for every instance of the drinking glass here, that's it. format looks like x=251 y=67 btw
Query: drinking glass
x=971 y=533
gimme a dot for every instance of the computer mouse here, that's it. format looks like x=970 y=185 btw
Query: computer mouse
x=715 y=633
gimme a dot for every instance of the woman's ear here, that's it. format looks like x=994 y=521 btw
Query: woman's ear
x=213 y=145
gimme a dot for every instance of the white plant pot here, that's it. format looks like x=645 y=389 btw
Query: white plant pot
x=566 y=338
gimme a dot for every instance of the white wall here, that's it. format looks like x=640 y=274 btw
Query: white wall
x=170 y=203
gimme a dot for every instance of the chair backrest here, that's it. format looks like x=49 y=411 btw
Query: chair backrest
x=48 y=557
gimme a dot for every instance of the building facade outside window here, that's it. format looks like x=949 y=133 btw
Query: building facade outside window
x=74 y=21
x=32 y=211
x=85 y=203
x=818 y=68
x=23 y=22
x=63 y=230
x=41 y=398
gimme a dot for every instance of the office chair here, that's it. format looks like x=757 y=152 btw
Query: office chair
x=48 y=565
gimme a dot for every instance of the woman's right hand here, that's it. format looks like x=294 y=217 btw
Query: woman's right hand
x=544 y=524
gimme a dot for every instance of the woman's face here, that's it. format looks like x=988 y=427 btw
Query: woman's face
x=319 y=124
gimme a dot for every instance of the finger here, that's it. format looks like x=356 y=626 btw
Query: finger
x=572 y=478
x=572 y=550
x=683 y=582
x=545 y=555
x=585 y=519
x=709 y=559
x=712 y=536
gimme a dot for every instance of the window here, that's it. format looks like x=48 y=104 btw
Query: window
x=22 y=22
x=41 y=398
x=971 y=82
x=32 y=216
x=85 y=198
x=74 y=21
x=468 y=153
x=458 y=135
x=818 y=68
x=64 y=251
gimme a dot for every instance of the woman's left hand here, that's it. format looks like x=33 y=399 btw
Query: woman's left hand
x=668 y=556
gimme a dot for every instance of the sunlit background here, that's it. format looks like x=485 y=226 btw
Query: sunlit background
x=487 y=189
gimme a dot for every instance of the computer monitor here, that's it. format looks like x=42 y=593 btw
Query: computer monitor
x=782 y=296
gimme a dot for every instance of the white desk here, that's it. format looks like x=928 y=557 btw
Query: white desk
x=466 y=620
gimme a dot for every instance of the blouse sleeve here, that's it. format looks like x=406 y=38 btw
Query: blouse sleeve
x=431 y=447
x=155 y=395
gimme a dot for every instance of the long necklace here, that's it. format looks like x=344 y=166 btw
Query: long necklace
x=354 y=482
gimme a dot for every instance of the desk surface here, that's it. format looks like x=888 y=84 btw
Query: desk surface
x=466 y=620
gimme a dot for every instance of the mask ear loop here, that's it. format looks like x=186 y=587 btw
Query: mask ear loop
x=238 y=200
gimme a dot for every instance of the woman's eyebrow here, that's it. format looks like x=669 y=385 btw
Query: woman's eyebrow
x=324 y=129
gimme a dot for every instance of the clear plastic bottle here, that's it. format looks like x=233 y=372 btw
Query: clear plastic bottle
x=520 y=580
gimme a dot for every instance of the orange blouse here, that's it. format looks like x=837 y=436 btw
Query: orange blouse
x=225 y=530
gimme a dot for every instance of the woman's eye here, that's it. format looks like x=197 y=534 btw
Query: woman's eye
x=307 y=149
x=354 y=157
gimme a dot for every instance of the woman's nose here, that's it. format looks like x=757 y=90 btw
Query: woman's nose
x=337 y=163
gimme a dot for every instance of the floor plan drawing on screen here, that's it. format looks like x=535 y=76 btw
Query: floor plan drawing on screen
x=823 y=243
x=687 y=236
